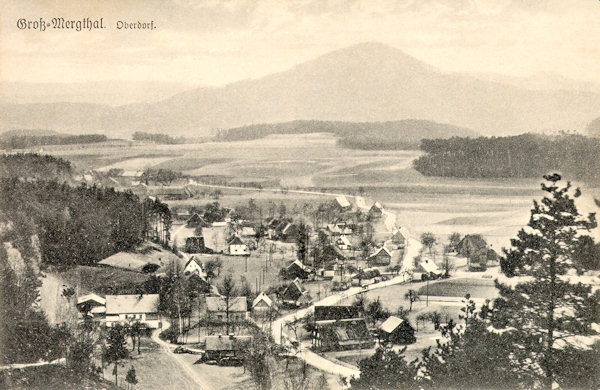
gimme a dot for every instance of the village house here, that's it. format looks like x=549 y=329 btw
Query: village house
x=194 y=266
x=342 y=203
x=222 y=347
x=296 y=270
x=294 y=295
x=376 y=211
x=381 y=257
x=398 y=239
x=289 y=233
x=237 y=247
x=397 y=331
x=262 y=303
x=216 y=308
x=343 y=243
x=126 y=309
x=196 y=221
x=340 y=328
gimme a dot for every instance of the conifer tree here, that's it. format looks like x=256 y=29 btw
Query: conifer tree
x=545 y=307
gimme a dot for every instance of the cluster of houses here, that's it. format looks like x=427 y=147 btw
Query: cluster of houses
x=338 y=328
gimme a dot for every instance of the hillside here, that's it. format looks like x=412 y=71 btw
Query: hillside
x=403 y=134
x=368 y=82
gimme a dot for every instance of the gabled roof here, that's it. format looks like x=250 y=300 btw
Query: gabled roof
x=391 y=324
x=287 y=228
x=297 y=263
x=342 y=201
x=262 y=297
x=193 y=259
x=429 y=267
x=134 y=303
x=219 y=304
x=380 y=250
x=91 y=297
x=236 y=240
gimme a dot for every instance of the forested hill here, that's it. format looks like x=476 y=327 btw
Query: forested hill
x=526 y=155
x=402 y=134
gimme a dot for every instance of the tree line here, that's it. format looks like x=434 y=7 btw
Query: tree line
x=35 y=166
x=526 y=155
x=157 y=138
x=28 y=141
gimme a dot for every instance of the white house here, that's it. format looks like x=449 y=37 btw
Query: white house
x=262 y=303
x=343 y=203
x=194 y=266
x=237 y=247
x=124 y=309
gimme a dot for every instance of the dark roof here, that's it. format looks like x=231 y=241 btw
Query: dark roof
x=327 y=313
x=236 y=240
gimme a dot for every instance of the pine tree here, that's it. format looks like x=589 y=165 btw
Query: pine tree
x=545 y=307
x=131 y=377
x=116 y=348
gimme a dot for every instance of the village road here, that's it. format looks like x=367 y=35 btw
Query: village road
x=184 y=365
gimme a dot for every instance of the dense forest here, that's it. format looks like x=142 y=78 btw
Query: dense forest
x=28 y=141
x=75 y=225
x=157 y=138
x=34 y=166
x=526 y=155
x=403 y=134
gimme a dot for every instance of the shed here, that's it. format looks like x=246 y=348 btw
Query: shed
x=397 y=331
x=226 y=346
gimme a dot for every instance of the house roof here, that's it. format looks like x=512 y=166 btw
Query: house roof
x=91 y=297
x=219 y=224
x=287 y=228
x=382 y=249
x=218 y=304
x=429 y=267
x=342 y=201
x=262 y=297
x=134 y=303
x=236 y=240
x=391 y=324
x=345 y=240
x=298 y=264
x=226 y=343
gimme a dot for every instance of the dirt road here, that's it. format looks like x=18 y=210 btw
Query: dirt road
x=177 y=359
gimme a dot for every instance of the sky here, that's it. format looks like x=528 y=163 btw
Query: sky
x=215 y=42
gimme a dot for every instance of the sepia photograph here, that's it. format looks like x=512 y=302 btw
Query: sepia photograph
x=299 y=194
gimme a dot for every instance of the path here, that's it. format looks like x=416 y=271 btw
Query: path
x=182 y=363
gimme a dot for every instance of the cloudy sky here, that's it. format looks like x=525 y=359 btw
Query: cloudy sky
x=216 y=42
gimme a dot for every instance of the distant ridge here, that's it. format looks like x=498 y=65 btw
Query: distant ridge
x=368 y=82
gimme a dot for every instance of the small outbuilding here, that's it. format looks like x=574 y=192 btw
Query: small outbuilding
x=397 y=331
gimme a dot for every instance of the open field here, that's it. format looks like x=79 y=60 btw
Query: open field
x=102 y=280
x=459 y=287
